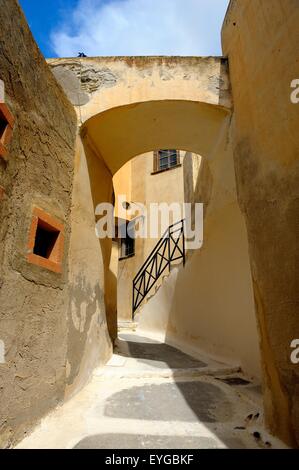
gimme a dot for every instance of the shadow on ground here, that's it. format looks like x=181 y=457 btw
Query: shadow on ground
x=188 y=401
x=143 y=441
x=155 y=354
x=180 y=401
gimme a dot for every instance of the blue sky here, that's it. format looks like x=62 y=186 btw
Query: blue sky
x=43 y=16
x=62 y=28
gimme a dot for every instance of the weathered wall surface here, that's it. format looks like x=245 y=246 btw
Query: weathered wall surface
x=95 y=84
x=54 y=325
x=261 y=40
x=38 y=172
x=209 y=304
x=127 y=86
x=89 y=344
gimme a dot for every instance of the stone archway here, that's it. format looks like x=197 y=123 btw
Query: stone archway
x=112 y=137
x=156 y=103
x=118 y=134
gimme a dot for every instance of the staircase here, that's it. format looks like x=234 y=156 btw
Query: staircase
x=170 y=248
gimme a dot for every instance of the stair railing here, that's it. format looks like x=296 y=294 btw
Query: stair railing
x=171 y=247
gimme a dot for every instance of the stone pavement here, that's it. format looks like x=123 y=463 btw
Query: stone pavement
x=151 y=395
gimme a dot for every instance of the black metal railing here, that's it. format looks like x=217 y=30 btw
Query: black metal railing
x=171 y=247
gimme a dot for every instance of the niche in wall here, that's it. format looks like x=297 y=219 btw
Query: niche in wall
x=46 y=241
x=6 y=128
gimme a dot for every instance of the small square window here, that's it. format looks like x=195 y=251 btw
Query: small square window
x=3 y=126
x=46 y=241
x=166 y=159
x=6 y=127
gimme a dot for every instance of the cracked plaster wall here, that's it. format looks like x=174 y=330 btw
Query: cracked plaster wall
x=47 y=320
x=261 y=41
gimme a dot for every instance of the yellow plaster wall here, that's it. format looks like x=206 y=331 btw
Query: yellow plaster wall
x=145 y=188
x=209 y=304
x=261 y=40
x=89 y=344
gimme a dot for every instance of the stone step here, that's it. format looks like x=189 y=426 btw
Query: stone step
x=127 y=325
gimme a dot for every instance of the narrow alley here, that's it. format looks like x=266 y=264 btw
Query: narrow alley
x=151 y=395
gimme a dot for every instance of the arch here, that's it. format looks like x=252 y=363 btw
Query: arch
x=120 y=133
x=114 y=136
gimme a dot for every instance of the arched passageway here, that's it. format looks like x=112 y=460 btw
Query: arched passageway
x=128 y=105
x=221 y=317
x=120 y=133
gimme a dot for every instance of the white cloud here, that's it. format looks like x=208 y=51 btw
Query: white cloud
x=141 y=27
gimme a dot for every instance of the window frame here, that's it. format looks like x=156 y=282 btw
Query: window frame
x=53 y=262
x=157 y=160
x=6 y=130
x=123 y=242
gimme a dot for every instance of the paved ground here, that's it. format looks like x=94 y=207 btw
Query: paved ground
x=151 y=395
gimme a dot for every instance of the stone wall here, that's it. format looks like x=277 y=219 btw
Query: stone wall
x=261 y=40
x=37 y=172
